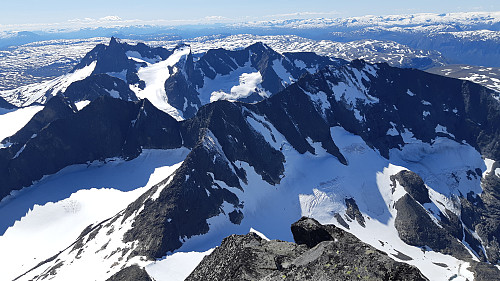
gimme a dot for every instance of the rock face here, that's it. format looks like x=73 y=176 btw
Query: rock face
x=246 y=257
x=112 y=58
x=481 y=213
x=56 y=108
x=353 y=211
x=99 y=85
x=5 y=105
x=193 y=83
x=106 y=128
x=323 y=252
x=415 y=227
x=414 y=185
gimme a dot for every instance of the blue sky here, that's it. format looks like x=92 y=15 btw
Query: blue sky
x=13 y=12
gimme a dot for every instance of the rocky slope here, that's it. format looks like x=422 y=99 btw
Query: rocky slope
x=321 y=253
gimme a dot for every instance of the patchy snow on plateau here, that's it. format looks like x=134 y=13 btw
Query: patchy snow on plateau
x=27 y=95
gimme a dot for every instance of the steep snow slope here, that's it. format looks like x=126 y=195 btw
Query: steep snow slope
x=176 y=267
x=13 y=120
x=71 y=200
x=155 y=75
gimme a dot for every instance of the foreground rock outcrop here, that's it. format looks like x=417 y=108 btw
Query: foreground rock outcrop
x=322 y=252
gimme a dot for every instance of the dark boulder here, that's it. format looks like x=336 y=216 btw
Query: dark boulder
x=131 y=273
x=413 y=185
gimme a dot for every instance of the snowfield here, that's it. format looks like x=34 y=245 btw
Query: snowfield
x=13 y=120
x=155 y=76
x=176 y=267
x=60 y=206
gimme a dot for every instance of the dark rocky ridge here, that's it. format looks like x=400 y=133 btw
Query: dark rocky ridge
x=112 y=58
x=219 y=136
x=412 y=184
x=56 y=108
x=353 y=212
x=106 y=128
x=474 y=121
x=99 y=85
x=416 y=228
x=323 y=252
x=6 y=105
x=482 y=214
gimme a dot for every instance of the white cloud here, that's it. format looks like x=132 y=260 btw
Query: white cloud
x=304 y=14
x=215 y=18
x=111 y=18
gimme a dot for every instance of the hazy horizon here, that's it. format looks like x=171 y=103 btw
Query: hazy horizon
x=57 y=14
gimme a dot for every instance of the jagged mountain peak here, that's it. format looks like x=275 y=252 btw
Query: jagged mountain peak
x=113 y=41
x=5 y=104
x=118 y=56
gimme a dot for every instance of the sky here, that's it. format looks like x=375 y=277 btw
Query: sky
x=42 y=12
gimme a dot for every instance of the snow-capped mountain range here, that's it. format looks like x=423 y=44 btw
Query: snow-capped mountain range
x=457 y=36
x=423 y=20
x=148 y=157
x=461 y=38
x=42 y=61
x=250 y=74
